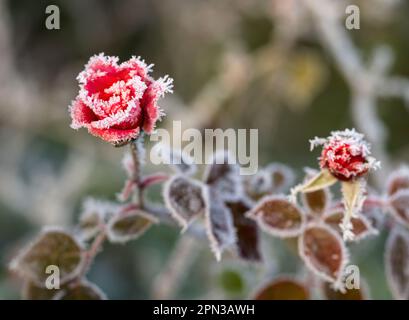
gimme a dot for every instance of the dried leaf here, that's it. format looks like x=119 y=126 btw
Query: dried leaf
x=398 y=180
x=219 y=226
x=321 y=180
x=352 y=197
x=128 y=226
x=323 y=252
x=373 y=209
x=258 y=185
x=278 y=216
x=31 y=291
x=93 y=216
x=282 y=177
x=273 y=179
x=83 y=290
x=349 y=294
x=52 y=247
x=224 y=177
x=246 y=231
x=282 y=288
x=185 y=198
x=399 y=206
x=317 y=201
x=361 y=227
x=397 y=262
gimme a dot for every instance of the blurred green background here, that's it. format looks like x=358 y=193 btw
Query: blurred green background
x=236 y=64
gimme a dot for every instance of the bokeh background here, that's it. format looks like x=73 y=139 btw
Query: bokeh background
x=262 y=64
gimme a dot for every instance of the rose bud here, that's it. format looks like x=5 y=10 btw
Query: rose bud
x=345 y=157
x=116 y=102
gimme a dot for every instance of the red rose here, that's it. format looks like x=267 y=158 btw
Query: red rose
x=117 y=101
x=345 y=154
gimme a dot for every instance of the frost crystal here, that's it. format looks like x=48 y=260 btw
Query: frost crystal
x=116 y=102
x=345 y=154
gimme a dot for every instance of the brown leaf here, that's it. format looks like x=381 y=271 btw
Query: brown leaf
x=246 y=231
x=131 y=225
x=273 y=179
x=282 y=288
x=317 y=201
x=350 y=294
x=397 y=262
x=278 y=216
x=83 y=290
x=399 y=206
x=31 y=291
x=323 y=252
x=185 y=198
x=398 y=180
x=361 y=227
x=52 y=247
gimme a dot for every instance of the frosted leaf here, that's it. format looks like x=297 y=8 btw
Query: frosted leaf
x=83 y=290
x=185 y=198
x=53 y=246
x=282 y=288
x=353 y=199
x=248 y=245
x=323 y=252
x=282 y=177
x=258 y=185
x=180 y=162
x=330 y=293
x=94 y=213
x=278 y=216
x=397 y=262
x=317 y=201
x=129 y=225
x=219 y=226
x=321 y=180
x=399 y=206
x=224 y=177
x=373 y=210
x=361 y=227
x=31 y=291
x=275 y=178
x=398 y=180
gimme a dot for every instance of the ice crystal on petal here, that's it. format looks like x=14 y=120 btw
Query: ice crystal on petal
x=345 y=154
x=116 y=102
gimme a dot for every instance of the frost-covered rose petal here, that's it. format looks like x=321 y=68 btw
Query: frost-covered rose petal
x=117 y=101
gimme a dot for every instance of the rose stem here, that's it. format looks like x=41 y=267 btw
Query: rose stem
x=137 y=170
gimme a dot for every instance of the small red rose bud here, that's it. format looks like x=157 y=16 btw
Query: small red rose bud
x=345 y=154
x=345 y=157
